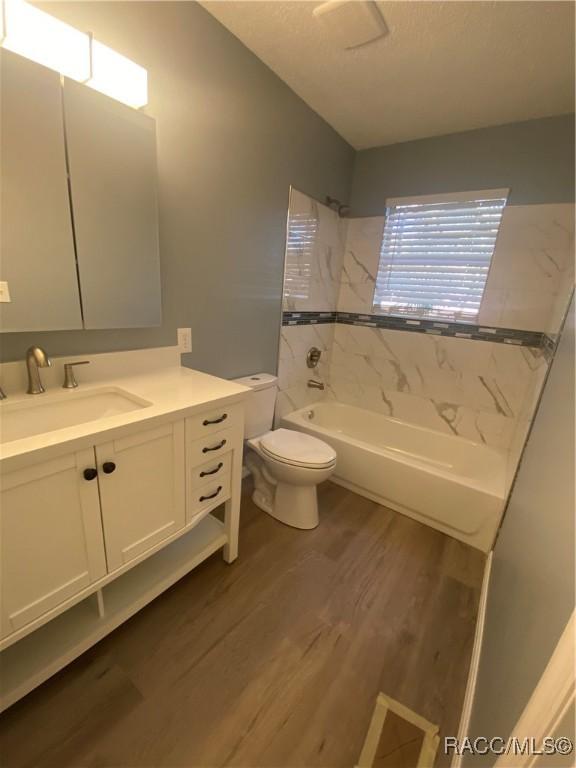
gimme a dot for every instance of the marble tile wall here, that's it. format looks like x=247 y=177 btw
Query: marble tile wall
x=317 y=258
x=360 y=264
x=319 y=263
x=481 y=390
x=532 y=272
x=476 y=390
x=530 y=280
x=293 y=373
x=523 y=422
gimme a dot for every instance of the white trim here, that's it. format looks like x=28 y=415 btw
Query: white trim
x=549 y=701
x=474 y=662
x=450 y=197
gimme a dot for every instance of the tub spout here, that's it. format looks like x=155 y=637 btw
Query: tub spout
x=313 y=384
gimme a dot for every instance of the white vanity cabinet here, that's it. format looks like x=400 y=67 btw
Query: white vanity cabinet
x=214 y=443
x=142 y=490
x=98 y=519
x=67 y=522
x=51 y=537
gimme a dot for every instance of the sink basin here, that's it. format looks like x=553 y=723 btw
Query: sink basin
x=47 y=413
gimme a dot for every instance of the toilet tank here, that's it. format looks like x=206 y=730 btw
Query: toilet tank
x=259 y=406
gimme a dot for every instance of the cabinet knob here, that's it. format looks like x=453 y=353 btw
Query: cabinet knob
x=108 y=467
x=90 y=473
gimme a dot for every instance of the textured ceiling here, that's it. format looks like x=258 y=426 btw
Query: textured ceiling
x=444 y=67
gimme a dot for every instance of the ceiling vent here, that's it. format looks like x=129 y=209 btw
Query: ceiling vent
x=351 y=23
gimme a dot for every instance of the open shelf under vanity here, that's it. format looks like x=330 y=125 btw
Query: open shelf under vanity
x=35 y=658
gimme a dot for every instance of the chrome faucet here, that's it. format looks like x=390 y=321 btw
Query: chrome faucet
x=313 y=384
x=36 y=358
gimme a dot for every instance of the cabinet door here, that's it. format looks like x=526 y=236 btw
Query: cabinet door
x=142 y=491
x=36 y=244
x=112 y=158
x=51 y=537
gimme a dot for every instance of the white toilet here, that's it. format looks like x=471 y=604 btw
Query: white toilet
x=286 y=465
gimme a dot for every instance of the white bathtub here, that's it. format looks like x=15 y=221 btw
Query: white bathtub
x=444 y=481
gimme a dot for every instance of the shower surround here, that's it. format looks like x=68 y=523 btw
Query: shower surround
x=481 y=390
x=314 y=257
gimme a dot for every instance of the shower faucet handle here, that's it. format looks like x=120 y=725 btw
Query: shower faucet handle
x=313 y=357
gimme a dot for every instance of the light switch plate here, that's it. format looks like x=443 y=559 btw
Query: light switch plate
x=4 y=293
x=185 y=339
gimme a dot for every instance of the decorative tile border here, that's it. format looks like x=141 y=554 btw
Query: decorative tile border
x=549 y=346
x=431 y=327
x=308 y=318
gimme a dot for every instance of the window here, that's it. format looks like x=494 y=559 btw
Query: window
x=436 y=253
x=299 y=254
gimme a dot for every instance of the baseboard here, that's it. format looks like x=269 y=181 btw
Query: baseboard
x=474 y=662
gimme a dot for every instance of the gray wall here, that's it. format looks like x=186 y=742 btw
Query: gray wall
x=232 y=137
x=531 y=593
x=534 y=158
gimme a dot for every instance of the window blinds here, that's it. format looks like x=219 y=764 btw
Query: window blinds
x=435 y=256
x=299 y=254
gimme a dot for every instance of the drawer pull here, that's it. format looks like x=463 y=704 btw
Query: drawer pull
x=221 y=444
x=211 y=495
x=90 y=473
x=222 y=418
x=108 y=467
x=212 y=471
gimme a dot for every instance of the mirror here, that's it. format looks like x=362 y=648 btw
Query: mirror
x=79 y=239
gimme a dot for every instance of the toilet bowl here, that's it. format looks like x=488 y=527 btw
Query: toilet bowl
x=286 y=465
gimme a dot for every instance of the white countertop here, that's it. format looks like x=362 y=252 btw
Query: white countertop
x=173 y=393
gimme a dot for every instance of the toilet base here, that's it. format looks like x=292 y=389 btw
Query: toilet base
x=292 y=505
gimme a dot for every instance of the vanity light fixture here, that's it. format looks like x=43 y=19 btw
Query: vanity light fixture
x=35 y=34
x=117 y=76
x=46 y=40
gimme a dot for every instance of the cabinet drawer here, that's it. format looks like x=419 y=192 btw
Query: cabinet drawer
x=208 y=495
x=208 y=422
x=213 y=470
x=211 y=447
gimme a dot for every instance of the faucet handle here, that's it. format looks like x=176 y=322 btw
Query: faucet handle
x=69 y=378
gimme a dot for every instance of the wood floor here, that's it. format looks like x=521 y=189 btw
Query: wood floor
x=273 y=661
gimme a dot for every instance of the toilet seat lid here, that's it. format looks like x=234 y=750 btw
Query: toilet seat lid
x=298 y=448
